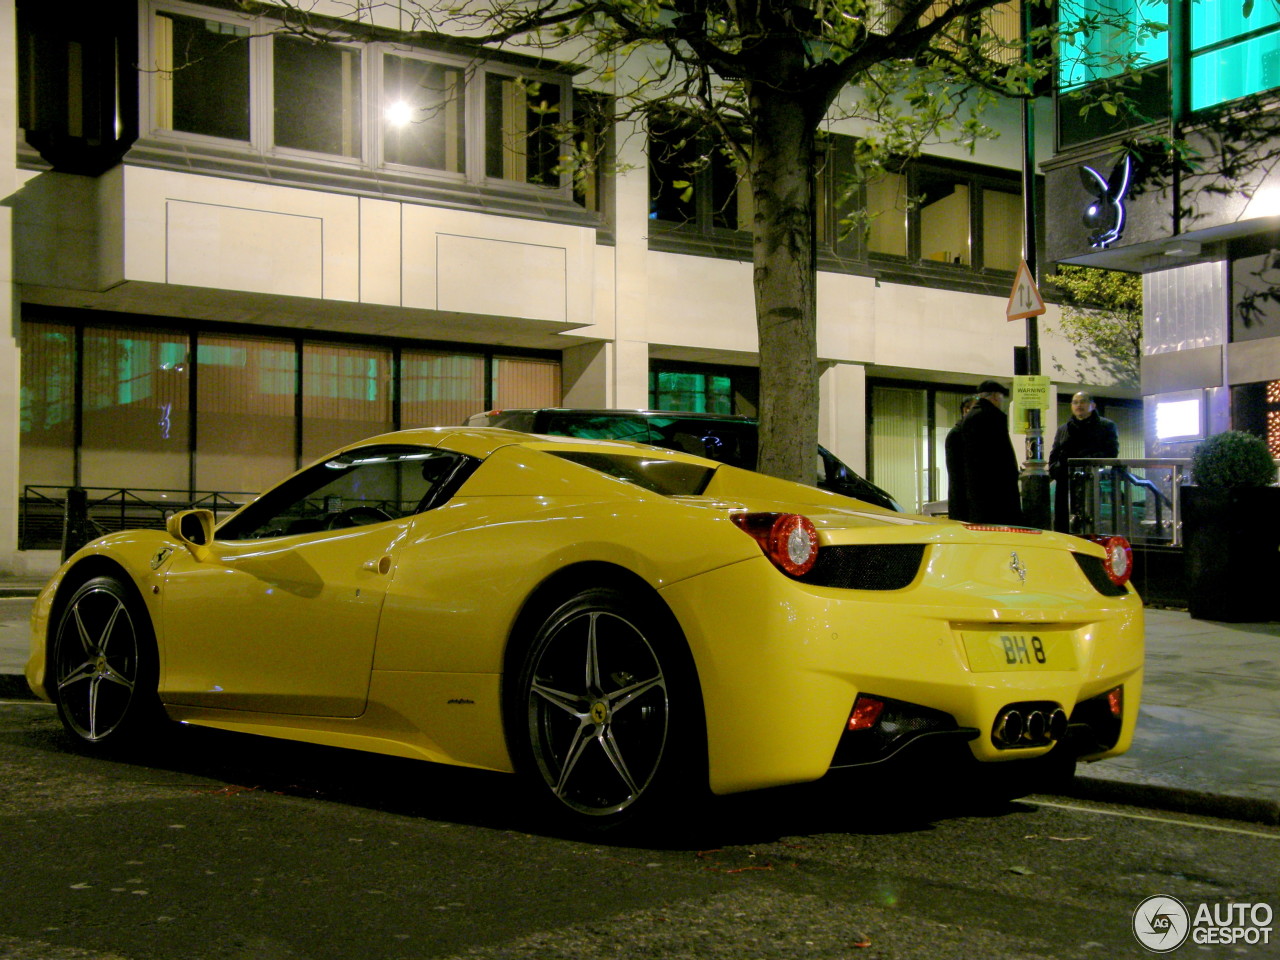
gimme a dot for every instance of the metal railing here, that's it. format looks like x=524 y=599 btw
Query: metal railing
x=1139 y=500
x=44 y=520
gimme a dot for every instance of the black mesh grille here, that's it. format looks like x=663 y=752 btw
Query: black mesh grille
x=1093 y=568
x=889 y=566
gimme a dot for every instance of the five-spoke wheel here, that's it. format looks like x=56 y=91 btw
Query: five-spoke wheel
x=104 y=663
x=599 y=698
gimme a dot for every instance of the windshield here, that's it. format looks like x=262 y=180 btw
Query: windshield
x=671 y=478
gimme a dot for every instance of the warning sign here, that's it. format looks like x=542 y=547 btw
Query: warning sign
x=1029 y=393
x=1025 y=300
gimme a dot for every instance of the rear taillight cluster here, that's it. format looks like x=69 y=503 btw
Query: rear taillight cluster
x=788 y=539
x=1118 y=563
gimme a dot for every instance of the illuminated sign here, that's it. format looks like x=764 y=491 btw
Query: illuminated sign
x=1104 y=215
x=1180 y=416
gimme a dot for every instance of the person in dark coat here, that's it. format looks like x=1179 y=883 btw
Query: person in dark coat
x=990 y=465
x=1086 y=434
x=957 y=505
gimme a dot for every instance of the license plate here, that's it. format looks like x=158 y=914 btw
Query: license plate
x=991 y=651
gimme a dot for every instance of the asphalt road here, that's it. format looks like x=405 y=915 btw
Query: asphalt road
x=229 y=846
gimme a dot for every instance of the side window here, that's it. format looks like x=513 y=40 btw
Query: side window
x=360 y=487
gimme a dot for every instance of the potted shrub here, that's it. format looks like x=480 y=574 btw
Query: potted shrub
x=1231 y=530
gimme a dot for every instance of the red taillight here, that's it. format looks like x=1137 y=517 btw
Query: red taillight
x=1118 y=563
x=1115 y=702
x=866 y=711
x=788 y=539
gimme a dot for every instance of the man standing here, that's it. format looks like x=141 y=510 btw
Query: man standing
x=990 y=465
x=957 y=505
x=1086 y=434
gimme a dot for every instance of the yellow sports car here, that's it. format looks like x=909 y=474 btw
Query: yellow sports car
x=620 y=624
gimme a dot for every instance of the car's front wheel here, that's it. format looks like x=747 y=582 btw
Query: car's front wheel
x=105 y=665
x=605 y=715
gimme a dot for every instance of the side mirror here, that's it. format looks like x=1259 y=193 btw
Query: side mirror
x=195 y=529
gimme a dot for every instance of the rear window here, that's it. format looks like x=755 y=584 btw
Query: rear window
x=671 y=478
x=599 y=426
x=730 y=441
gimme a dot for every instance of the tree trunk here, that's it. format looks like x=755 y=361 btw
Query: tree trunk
x=782 y=180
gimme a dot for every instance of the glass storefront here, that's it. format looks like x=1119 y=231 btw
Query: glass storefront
x=178 y=410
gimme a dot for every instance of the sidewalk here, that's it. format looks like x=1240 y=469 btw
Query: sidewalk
x=1208 y=738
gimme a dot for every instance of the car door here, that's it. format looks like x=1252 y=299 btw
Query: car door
x=282 y=615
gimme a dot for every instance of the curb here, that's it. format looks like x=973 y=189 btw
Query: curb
x=1226 y=806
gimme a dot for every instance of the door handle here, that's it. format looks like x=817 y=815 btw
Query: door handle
x=382 y=565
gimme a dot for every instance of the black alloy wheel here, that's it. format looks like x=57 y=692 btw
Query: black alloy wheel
x=104 y=667
x=605 y=710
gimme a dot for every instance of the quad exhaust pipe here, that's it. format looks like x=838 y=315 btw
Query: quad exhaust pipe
x=1029 y=725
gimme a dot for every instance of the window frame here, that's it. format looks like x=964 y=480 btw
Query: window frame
x=261 y=102
x=977 y=182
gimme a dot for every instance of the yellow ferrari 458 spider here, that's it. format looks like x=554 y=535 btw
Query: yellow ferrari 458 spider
x=622 y=625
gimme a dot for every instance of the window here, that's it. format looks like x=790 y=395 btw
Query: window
x=1235 y=51
x=195 y=56
x=944 y=219
x=135 y=409
x=700 y=388
x=695 y=180
x=317 y=97
x=47 y=418
x=440 y=389
x=1002 y=229
x=246 y=394
x=423 y=113
x=346 y=395
x=521 y=382
x=521 y=119
x=887 y=207
x=128 y=393
x=360 y=487
x=248 y=80
x=953 y=216
x=1125 y=33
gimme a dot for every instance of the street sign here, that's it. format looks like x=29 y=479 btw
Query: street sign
x=1025 y=300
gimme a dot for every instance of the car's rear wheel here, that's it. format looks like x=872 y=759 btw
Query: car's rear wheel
x=105 y=665
x=605 y=716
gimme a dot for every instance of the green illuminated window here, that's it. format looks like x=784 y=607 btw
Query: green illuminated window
x=1114 y=35
x=1235 y=51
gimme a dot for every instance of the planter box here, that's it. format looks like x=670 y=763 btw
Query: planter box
x=1231 y=538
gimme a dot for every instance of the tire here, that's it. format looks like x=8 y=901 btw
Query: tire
x=605 y=717
x=105 y=667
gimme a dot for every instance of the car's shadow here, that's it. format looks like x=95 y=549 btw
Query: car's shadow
x=847 y=803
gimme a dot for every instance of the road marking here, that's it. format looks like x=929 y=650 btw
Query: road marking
x=1143 y=816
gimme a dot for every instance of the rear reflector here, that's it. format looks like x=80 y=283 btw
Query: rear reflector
x=1115 y=701
x=866 y=711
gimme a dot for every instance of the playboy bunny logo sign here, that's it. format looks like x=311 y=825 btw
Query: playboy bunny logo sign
x=1104 y=215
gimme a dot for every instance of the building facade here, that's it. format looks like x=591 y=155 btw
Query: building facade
x=233 y=250
x=1203 y=232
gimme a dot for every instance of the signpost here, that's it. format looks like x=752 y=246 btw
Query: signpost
x=1030 y=401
